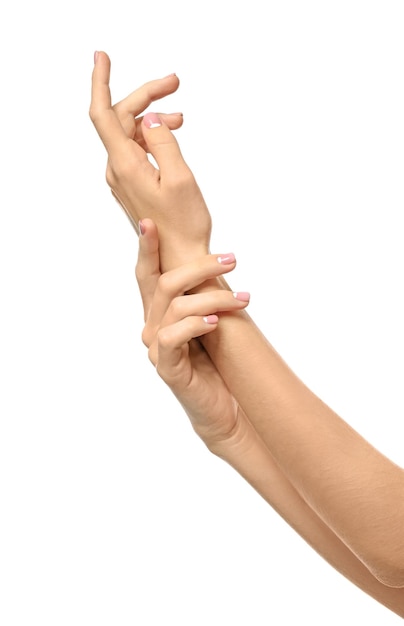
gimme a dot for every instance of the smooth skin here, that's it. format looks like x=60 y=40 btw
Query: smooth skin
x=350 y=495
x=164 y=193
x=174 y=325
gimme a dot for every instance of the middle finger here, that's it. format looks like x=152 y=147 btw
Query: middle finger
x=180 y=280
x=136 y=102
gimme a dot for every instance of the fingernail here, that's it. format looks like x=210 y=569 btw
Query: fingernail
x=169 y=75
x=142 y=229
x=244 y=296
x=211 y=319
x=95 y=57
x=226 y=259
x=151 y=120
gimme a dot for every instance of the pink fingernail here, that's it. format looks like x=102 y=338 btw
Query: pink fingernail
x=211 y=319
x=226 y=259
x=151 y=120
x=95 y=57
x=244 y=296
x=142 y=229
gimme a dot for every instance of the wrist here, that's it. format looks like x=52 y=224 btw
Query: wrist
x=173 y=255
x=237 y=443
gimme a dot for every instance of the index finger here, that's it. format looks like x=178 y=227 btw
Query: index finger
x=101 y=112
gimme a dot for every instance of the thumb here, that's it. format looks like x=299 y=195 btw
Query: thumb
x=163 y=146
x=148 y=262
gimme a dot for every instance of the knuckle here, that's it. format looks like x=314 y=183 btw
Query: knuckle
x=177 y=307
x=152 y=354
x=183 y=178
x=124 y=169
x=139 y=273
x=165 y=284
x=92 y=112
x=118 y=109
x=95 y=114
x=110 y=176
x=141 y=279
x=147 y=337
x=163 y=338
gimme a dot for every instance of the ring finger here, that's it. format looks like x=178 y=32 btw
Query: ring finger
x=180 y=280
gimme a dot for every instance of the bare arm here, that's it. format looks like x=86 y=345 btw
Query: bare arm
x=356 y=490
x=254 y=462
x=172 y=324
x=351 y=486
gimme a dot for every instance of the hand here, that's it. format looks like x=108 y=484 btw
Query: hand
x=174 y=322
x=167 y=194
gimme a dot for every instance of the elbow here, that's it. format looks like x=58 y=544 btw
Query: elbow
x=389 y=572
x=391 y=578
x=383 y=550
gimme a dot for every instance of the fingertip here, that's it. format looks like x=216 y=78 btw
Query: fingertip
x=162 y=144
x=146 y=225
x=152 y=120
x=101 y=70
x=100 y=56
x=226 y=259
x=243 y=296
x=174 y=79
x=211 y=319
x=226 y=263
x=172 y=120
x=148 y=235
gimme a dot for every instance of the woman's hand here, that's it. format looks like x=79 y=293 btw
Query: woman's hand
x=173 y=323
x=169 y=193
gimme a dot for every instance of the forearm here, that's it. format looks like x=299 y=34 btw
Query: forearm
x=250 y=457
x=351 y=486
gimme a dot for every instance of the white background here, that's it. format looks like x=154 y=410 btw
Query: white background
x=112 y=511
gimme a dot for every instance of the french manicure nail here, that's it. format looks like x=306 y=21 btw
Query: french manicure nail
x=211 y=319
x=226 y=259
x=244 y=296
x=151 y=120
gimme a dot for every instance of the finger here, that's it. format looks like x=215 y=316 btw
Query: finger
x=133 y=129
x=162 y=144
x=173 y=284
x=148 y=262
x=141 y=98
x=172 y=355
x=133 y=125
x=203 y=305
x=172 y=120
x=101 y=113
x=176 y=282
x=133 y=105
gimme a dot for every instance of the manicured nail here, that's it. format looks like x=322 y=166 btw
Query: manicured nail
x=226 y=259
x=95 y=57
x=151 y=120
x=244 y=296
x=211 y=319
x=142 y=229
